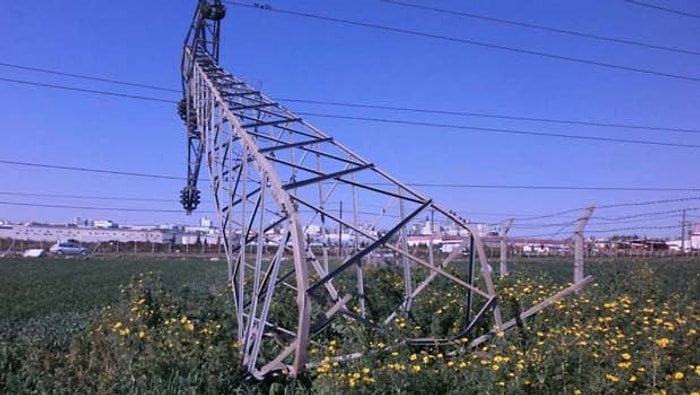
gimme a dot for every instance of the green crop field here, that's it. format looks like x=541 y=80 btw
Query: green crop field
x=165 y=326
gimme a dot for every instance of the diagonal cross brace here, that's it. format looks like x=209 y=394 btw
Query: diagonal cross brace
x=358 y=256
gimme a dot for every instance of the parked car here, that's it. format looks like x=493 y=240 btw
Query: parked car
x=69 y=248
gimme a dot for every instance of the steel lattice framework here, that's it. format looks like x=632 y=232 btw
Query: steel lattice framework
x=292 y=207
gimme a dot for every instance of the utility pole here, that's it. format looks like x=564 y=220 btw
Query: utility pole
x=578 y=244
x=504 y=246
x=340 y=232
x=432 y=237
x=683 y=232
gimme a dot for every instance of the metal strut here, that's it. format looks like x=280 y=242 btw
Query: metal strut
x=202 y=40
x=280 y=187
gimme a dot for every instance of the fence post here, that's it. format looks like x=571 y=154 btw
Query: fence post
x=504 y=246
x=578 y=244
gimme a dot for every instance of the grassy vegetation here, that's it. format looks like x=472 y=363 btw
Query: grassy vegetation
x=150 y=326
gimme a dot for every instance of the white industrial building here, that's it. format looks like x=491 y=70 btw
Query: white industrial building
x=52 y=233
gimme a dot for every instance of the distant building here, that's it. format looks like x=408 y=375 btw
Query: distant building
x=104 y=224
x=52 y=233
x=695 y=237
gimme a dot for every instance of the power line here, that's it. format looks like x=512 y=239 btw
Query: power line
x=541 y=27
x=563 y=227
x=86 y=77
x=554 y=187
x=384 y=120
x=499 y=130
x=665 y=9
x=137 y=199
x=632 y=228
x=171 y=200
x=89 y=170
x=655 y=216
x=613 y=219
x=646 y=203
x=487 y=115
x=607 y=206
x=433 y=185
x=93 y=91
x=329 y=103
x=141 y=210
x=54 y=195
x=554 y=225
x=466 y=41
x=647 y=219
x=533 y=238
x=127 y=209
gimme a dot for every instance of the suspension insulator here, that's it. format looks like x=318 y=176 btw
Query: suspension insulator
x=182 y=110
x=214 y=12
x=189 y=198
x=188 y=115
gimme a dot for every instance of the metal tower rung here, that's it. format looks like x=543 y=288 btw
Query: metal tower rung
x=225 y=95
x=270 y=123
x=252 y=106
x=294 y=145
x=318 y=179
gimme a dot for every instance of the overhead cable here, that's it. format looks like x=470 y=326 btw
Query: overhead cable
x=541 y=27
x=665 y=9
x=434 y=185
x=127 y=209
x=93 y=91
x=386 y=120
x=632 y=228
x=87 y=77
x=500 y=130
x=613 y=219
x=333 y=103
x=488 y=115
x=457 y=40
x=89 y=170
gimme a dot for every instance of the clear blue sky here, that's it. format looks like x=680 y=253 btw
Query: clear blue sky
x=293 y=57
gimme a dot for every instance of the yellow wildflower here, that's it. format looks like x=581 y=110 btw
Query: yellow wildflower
x=612 y=378
x=624 y=365
x=663 y=342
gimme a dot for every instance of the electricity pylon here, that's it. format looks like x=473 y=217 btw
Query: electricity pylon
x=301 y=217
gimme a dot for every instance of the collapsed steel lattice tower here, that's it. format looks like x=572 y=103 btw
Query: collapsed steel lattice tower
x=279 y=185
